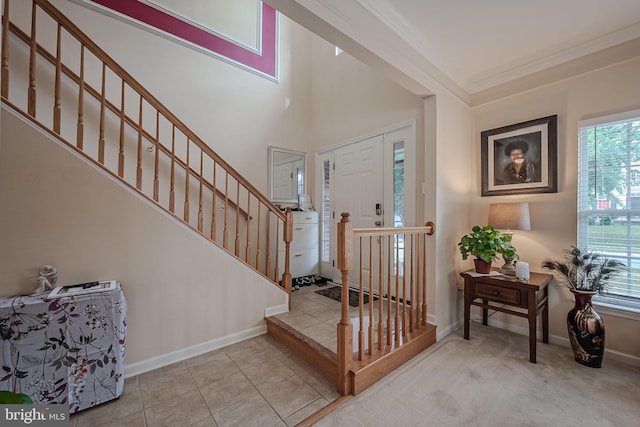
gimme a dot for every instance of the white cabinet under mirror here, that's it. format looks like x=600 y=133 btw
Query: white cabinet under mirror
x=287 y=174
x=304 y=255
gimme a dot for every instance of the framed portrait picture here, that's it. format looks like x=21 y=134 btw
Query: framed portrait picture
x=520 y=158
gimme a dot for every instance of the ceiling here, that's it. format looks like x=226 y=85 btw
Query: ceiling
x=471 y=46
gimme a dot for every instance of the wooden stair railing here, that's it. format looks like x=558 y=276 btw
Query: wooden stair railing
x=93 y=105
x=394 y=328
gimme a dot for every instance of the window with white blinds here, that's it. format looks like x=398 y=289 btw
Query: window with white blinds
x=609 y=199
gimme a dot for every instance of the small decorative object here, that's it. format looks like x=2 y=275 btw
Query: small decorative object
x=522 y=271
x=484 y=243
x=47 y=278
x=585 y=273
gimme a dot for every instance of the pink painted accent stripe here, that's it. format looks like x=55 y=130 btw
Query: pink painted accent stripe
x=264 y=62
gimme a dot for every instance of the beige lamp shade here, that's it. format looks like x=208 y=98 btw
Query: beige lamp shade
x=509 y=216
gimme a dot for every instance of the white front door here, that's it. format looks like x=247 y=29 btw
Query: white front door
x=369 y=179
x=359 y=190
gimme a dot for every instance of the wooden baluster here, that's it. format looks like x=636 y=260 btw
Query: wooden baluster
x=404 y=284
x=371 y=319
x=56 y=96
x=360 y=303
x=344 y=358
x=103 y=101
x=380 y=294
x=80 y=126
x=277 y=278
x=186 y=184
x=172 y=184
x=412 y=296
x=121 y=147
x=248 y=245
x=397 y=304
x=213 y=205
x=200 y=200
x=389 y=322
x=258 y=217
x=31 y=94
x=287 y=236
x=424 y=280
x=225 y=232
x=5 y=51
x=156 y=161
x=236 y=243
x=139 y=154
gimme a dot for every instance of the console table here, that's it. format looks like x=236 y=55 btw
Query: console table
x=67 y=350
x=532 y=296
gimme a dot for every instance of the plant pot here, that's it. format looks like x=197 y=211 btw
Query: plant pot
x=586 y=331
x=482 y=266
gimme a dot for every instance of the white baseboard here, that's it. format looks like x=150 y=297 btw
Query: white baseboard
x=441 y=333
x=275 y=310
x=156 y=362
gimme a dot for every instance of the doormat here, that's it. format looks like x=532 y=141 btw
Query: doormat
x=335 y=293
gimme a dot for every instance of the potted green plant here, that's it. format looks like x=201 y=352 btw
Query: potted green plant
x=585 y=273
x=485 y=244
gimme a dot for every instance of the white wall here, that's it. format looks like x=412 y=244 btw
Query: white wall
x=234 y=111
x=553 y=216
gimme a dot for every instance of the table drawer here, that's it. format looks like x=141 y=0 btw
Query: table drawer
x=498 y=293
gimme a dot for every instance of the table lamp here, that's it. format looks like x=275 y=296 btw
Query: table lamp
x=507 y=217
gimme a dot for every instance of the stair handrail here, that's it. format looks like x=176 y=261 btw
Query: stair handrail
x=284 y=217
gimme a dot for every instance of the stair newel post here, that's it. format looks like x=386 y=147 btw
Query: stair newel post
x=287 y=236
x=345 y=328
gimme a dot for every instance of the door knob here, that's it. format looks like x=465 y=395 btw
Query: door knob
x=378 y=223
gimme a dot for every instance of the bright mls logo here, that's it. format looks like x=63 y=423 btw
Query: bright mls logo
x=34 y=415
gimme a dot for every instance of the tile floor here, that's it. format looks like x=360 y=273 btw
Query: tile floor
x=257 y=382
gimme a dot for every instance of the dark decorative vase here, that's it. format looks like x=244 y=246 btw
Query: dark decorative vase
x=482 y=266
x=586 y=331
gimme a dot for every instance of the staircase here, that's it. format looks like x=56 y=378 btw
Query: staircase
x=116 y=124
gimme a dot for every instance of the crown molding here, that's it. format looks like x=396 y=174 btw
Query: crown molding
x=623 y=52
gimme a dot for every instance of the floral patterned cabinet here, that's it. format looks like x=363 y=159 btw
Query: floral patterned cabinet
x=64 y=350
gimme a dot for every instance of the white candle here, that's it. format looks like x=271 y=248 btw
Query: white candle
x=522 y=271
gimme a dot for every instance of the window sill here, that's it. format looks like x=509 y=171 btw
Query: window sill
x=604 y=307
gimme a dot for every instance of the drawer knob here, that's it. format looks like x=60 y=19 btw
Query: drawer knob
x=496 y=293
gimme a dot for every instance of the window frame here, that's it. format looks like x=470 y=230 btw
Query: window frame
x=615 y=305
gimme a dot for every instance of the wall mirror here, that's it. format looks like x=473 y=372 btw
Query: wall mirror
x=287 y=174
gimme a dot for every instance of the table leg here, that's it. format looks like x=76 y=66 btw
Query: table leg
x=532 y=315
x=485 y=313
x=467 y=307
x=545 y=317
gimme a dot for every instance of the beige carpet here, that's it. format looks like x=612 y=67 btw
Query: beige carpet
x=488 y=381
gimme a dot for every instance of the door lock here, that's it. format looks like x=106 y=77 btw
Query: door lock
x=378 y=208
